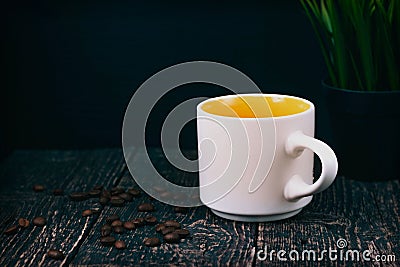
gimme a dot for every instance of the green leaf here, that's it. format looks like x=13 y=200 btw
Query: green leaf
x=325 y=52
x=359 y=40
x=325 y=16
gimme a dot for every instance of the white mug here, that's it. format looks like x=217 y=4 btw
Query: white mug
x=260 y=168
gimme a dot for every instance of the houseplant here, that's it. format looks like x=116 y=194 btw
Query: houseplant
x=360 y=43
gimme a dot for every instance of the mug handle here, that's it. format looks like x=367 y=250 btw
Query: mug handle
x=296 y=187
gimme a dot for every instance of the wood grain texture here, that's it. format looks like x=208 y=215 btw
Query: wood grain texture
x=66 y=228
x=364 y=214
x=213 y=241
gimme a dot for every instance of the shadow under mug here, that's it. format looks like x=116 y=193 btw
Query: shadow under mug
x=256 y=156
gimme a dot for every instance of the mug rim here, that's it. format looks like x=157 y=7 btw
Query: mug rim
x=310 y=109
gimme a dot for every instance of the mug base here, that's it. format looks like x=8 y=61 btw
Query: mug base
x=256 y=218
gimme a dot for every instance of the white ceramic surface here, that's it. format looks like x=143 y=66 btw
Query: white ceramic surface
x=260 y=169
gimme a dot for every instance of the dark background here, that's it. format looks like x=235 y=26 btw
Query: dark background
x=70 y=68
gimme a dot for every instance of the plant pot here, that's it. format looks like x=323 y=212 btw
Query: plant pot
x=365 y=132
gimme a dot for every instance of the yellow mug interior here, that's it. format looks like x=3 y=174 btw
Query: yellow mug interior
x=251 y=106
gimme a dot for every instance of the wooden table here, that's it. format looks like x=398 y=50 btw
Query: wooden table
x=365 y=215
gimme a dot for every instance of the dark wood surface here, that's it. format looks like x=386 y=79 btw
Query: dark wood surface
x=366 y=215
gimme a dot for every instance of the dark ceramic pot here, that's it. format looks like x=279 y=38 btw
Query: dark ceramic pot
x=366 y=132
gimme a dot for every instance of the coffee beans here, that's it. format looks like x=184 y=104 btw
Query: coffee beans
x=172 y=238
x=171 y=223
x=152 y=241
x=78 y=196
x=119 y=244
x=146 y=207
x=116 y=223
x=111 y=233
x=104 y=200
x=171 y=230
x=106 y=227
x=119 y=229
x=129 y=225
x=160 y=227
x=58 y=192
x=107 y=240
x=138 y=222
x=86 y=213
x=39 y=221
x=116 y=201
x=126 y=196
x=182 y=232
x=98 y=187
x=167 y=230
x=106 y=230
x=134 y=192
x=112 y=218
x=55 y=254
x=94 y=193
x=22 y=222
x=38 y=188
x=106 y=194
x=11 y=230
x=117 y=190
x=150 y=219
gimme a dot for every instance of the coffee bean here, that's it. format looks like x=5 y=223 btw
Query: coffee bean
x=138 y=222
x=116 y=223
x=171 y=223
x=167 y=230
x=78 y=196
x=11 y=230
x=116 y=191
x=134 y=192
x=119 y=229
x=86 y=213
x=117 y=201
x=126 y=196
x=106 y=227
x=98 y=187
x=58 y=192
x=119 y=244
x=172 y=238
x=129 y=225
x=152 y=241
x=38 y=188
x=55 y=254
x=182 y=232
x=160 y=227
x=39 y=221
x=180 y=209
x=106 y=194
x=104 y=200
x=150 y=219
x=94 y=193
x=107 y=240
x=106 y=230
x=146 y=207
x=22 y=222
x=112 y=218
